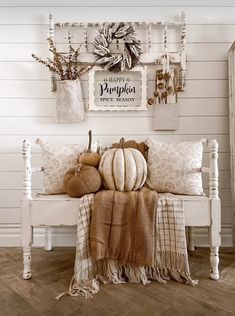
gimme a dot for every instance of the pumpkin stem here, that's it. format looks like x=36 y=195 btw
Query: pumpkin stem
x=90 y=140
x=121 y=143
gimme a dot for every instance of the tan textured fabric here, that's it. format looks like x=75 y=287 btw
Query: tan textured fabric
x=122 y=226
x=171 y=258
x=82 y=180
x=142 y=147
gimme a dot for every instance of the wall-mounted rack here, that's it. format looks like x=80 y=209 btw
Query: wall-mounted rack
x=149 y=56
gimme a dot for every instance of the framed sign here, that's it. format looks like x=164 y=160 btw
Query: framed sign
x=122 y=91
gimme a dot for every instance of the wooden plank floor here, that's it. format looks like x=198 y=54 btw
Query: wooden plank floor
x=52 y=272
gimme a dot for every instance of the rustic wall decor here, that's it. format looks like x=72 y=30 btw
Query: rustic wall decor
x=170 y=76
x=109 y=41
x=69 y=97
x=117 y=61
x=125 y=90
x=165 y=87
x=149 y=56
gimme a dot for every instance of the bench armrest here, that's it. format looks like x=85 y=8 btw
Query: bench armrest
x=28 y=170
x=27 y=176
x=213 y=173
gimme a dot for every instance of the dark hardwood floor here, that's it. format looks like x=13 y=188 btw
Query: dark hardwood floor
x=52 y=272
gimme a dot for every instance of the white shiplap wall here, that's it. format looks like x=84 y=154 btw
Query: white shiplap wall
x=27 y=105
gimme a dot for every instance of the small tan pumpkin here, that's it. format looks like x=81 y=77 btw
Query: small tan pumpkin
x=82 y=180
x=88 y=157
x=123 y=169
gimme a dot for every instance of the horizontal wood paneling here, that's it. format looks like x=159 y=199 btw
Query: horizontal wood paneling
x=201 y=13
x=207 y=70
x=208 y=51
x=14 y=162
x=23 y=33
x=27 y=105
x=11 y=51
x=29 y=70
x=10 y=198
x=46 y=107
x=109 y=124
x=10 y=215
x=203 y=107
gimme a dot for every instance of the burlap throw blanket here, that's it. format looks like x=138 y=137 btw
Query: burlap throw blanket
x=170 y=253
x=122 y=226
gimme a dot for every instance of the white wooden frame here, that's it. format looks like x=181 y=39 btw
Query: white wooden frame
x=143 y=104
x=57 y=210
x=148 y=57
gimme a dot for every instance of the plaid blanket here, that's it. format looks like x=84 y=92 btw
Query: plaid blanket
x=171 y=259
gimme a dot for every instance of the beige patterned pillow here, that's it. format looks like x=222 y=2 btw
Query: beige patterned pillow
x=175 y=167
x=57 y=159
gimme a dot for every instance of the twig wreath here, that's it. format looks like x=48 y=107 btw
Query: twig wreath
x=117 y=61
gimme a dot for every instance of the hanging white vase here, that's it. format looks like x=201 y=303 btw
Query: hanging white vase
x=69 y=102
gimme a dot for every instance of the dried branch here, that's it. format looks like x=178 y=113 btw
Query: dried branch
x=51 y=66
x=66 y=66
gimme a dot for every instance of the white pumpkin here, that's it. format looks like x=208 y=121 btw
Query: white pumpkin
x=123 y=169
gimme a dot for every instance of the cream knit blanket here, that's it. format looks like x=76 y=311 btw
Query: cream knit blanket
x=171 y=258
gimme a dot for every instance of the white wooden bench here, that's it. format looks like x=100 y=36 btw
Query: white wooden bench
x=57 y=210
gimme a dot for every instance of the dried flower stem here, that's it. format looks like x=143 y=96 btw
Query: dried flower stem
x=64 y=65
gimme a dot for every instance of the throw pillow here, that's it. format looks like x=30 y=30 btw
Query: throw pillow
x=57 y=160
x=175 y=167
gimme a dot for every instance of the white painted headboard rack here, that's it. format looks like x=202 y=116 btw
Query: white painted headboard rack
x=149 y=56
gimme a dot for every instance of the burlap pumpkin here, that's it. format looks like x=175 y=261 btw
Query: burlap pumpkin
x=82 y=180
x=88 y=157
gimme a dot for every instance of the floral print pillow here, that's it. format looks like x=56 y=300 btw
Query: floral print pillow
x=57 y=159
x=175 y=167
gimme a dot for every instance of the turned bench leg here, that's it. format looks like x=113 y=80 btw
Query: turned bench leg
x=215 y=238
x=214 y=259
x=48 y=245
x=26 y=238
x=191 y=246
x=27 y=262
